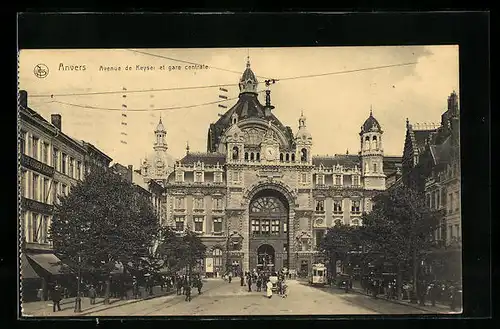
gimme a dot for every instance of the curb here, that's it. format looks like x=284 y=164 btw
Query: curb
x=131 y=302
x=415 y=306
x=122 y=304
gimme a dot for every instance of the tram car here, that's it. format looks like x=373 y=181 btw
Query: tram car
x=318 y=275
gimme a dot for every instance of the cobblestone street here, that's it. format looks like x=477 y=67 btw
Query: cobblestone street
x=223 y=298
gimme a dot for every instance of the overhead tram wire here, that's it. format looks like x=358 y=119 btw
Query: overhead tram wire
x=89 y=107
x=192 y=63
x=220 y=85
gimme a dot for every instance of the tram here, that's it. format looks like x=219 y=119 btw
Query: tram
x=318 y=275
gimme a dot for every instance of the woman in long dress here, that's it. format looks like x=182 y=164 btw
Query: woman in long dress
x=269 y=286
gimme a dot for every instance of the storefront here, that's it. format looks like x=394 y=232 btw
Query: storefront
x=39 y=272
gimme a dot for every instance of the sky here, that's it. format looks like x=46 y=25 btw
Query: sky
x=335 y=105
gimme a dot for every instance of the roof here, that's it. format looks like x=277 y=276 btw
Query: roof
x=248 y=75
x=441 y=153
x=160 y=126
x=391 y=163
x=345 y=160
x=421 y=136
x=207 y=158
x=248 y=106
x=370 y=123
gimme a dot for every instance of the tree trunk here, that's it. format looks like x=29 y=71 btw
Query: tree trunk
x=333 y=260
x=415 y=274
x=107 y=291
x=399 y=281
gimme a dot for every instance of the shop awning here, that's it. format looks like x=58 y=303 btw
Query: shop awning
x=27 y=271
x=49 y=262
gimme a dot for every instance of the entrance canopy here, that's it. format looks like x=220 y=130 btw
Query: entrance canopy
x=48 y=262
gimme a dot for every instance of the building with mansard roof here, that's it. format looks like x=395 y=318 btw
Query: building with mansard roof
x=259 y=197
x=431 y=164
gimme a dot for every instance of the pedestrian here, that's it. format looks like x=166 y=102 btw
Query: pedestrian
x=269 y=291
x=242 y=279
x=178 y=285
x=433 y=293
x=187 y=291
x=249 y=282
x=199 y=285
x=229 y=277
x=259 y=283
x=285 y=290
x=92 y=294
x=56 y=298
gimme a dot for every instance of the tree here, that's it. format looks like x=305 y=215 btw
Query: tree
x=400 y=227
x=180 y=251
x=337 y=242
x=103 y=221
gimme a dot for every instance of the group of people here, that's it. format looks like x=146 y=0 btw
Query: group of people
x=184 y=284
x=262 y=280
x=433 y=291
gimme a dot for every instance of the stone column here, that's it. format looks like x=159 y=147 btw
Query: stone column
x=245 y=247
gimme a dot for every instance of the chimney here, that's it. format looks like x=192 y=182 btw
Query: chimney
x=56 y=120
x=23 y=98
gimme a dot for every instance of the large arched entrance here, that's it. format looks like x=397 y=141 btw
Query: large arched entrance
x=268 y=230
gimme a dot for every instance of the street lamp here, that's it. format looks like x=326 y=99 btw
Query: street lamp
x=78 y=300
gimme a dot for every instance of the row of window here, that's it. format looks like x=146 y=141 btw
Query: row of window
x=40 y=188
x=199 y=177
x=198 y=203
x=437 y=198
x=36 y=227
x=199 y=224
x=338 y=180
x=337 y=206
x=449 y=233
x=268 y=227
x=40 y=150
x=373 y=144
x=255 y=156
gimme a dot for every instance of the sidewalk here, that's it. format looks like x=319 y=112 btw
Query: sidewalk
x=439 y=308
x=44 y=308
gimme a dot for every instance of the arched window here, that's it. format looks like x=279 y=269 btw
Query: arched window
x=281 y=157
x=246 y=156
x=267 y=214
x=367 y=142
x=235 y=153
x=303 y=156
x=293 y=157
x=257 y=156
x=374 y=142
x=251 y=156
x=287 y=157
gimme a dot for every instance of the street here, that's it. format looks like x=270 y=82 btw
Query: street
x=222 y=298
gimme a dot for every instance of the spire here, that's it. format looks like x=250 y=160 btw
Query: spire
x=347 y=152
x=248 y=61
x=187 y=147
x=371 y=110
x=302 y=120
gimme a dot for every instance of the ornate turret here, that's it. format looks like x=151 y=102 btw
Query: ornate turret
x=248 y=81
x=303 y=141
x=372 y=153
x=160 y=133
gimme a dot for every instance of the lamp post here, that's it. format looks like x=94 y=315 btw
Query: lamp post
x=78 y=300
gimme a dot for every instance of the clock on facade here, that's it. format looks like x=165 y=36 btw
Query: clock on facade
x=270 y=153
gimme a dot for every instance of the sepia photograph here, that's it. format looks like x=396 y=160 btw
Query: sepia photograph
x=239 y=181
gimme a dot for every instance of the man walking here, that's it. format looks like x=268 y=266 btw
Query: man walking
x=249 y=282
x=92 y=294
x=187 y=290
x=56 y=298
